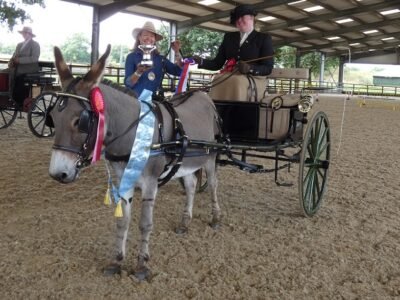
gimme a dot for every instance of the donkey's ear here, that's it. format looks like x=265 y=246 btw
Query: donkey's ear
x=62 y=69
x=93 y=77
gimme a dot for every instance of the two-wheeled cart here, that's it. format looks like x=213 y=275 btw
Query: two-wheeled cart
x=35 y=107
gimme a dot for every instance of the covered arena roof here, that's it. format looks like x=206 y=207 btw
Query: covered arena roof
x=364 y=27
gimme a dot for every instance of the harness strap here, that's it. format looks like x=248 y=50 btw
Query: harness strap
x=255 y=91
x=159 y=117
x=180 y=135
x=66 y=148
x=181 y=139
x=252 y=89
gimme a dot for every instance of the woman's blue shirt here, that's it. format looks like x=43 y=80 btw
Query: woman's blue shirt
x=133 y=60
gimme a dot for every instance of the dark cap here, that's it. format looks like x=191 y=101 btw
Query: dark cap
x=241 y=11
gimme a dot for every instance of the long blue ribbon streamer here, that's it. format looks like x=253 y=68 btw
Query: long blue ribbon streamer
x=141 y=147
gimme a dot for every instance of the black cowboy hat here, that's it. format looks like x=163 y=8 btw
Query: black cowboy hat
x=241 y=11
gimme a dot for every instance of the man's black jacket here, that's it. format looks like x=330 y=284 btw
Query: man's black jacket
x=256 y=45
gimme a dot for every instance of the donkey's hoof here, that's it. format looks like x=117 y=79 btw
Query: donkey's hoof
x=112 y=269
x=181 y=230
x=142 y=274
x=215 y=225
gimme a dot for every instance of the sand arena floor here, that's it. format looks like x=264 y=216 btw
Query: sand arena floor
x=55 y=239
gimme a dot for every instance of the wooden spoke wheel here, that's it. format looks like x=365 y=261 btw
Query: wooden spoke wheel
x=8 y=112
x=314 y=164
x=37 y=116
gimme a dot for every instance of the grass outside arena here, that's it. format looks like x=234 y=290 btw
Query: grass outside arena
x=56 y=238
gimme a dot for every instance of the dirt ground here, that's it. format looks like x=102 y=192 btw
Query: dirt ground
x=55 y=239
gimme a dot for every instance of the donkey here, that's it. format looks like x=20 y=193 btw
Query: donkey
x=74 y=145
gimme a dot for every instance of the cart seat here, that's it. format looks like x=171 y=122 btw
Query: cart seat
x=38 y=78
x=238 y=87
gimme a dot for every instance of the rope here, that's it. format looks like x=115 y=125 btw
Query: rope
x=341 y=125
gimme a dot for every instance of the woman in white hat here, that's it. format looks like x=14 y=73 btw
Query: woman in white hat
x=141 y=74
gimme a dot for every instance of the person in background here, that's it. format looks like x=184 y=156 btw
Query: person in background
x=243 y=45
x=138 y=76
x=24 y=60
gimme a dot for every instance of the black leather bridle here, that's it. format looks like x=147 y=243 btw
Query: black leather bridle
x=87 y=123
x=88 y=120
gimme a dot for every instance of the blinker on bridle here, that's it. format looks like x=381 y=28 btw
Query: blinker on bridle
x=85 y=117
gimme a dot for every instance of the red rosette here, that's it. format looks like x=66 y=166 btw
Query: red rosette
x=97 y=100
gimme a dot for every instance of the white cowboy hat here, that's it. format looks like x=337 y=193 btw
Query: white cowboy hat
x=148 y=26
x=27 y=29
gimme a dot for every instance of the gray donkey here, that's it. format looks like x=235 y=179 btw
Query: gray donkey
x=75 y=124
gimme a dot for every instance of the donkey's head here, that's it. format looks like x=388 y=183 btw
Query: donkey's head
x=74 y=121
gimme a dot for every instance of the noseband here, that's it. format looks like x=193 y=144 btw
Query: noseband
x=87 y=123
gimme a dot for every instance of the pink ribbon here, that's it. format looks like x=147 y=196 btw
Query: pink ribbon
x=97 y=103
x=182 y=83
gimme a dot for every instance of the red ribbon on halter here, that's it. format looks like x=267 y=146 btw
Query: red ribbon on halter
x=229 y=65
x=97 y=104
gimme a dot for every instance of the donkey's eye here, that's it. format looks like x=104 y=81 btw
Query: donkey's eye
x=75 y=122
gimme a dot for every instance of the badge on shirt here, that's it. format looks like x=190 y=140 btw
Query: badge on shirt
x=151 y=76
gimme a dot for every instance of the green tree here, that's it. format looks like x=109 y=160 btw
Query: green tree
x=285 y=57
x=76 y=49
x=313 y=62
x=196 y=41
x=7 y=49
x=11 y=11
x=118 y=55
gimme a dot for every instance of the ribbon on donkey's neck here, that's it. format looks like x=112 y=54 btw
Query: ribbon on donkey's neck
x=97 y=104
x=139 y=154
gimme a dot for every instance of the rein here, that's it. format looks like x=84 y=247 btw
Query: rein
x=235 y=70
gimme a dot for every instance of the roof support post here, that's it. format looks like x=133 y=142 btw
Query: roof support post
x=297 y=65
x=171 y=55
x=322 y=68
x=172 y=37
x=341 y=71
x=297 y=61
x=95 y=35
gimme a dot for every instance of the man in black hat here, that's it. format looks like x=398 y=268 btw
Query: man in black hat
x=244 y=45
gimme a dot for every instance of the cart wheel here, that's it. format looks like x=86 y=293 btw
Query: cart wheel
x=7 y=116
x=8 y=112
x=37 y=116
x=314 y=164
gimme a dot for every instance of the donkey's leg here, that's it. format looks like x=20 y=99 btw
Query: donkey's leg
x=149 y=192
x=121 y=237
x=212 y=180
x=189 y=182
x=119 y=252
